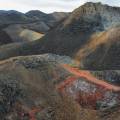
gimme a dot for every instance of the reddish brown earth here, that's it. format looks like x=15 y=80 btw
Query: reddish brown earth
x=89 y=77
x=83 y=99
x=37 y=78
x=86 y=99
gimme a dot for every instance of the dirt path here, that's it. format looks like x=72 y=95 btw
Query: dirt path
x=89 y=77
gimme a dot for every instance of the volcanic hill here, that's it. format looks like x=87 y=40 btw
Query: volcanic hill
x=39 y=87
x=90 y=35
x=23 y=27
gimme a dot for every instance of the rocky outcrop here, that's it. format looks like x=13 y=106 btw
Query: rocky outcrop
x=102 y=16
x=23 y=87
x=31 y=88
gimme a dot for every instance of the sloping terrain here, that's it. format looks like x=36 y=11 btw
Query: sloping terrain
x=42 y=20
x=102 y=51
x=24 y=94
x=77 y=29
x=23 y=82
x=21 y=34
x=79 y=76
x=30 y=26
x=90 y=35
x=49 y=19
x=4 y=38
x=112 y=76
x=17 y=33
x=12 y=16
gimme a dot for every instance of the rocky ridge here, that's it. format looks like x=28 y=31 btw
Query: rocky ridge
x=23 y=84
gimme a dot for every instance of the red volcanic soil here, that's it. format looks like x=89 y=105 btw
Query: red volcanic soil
x=24 y=111
x=86 y=99
x=90 y=78
x=33 y=112
x=66 y=82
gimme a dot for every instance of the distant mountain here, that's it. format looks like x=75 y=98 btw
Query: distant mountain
x=8 y=17
x=36 y=22
x=34 y=16
x=49 y=19
x=90 y=35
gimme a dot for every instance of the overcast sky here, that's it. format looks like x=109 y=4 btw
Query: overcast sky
x=48 y=6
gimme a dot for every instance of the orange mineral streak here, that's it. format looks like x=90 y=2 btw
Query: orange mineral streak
x=29 y=112
x=68 y=81
x=89 y=77
x=33 y=112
